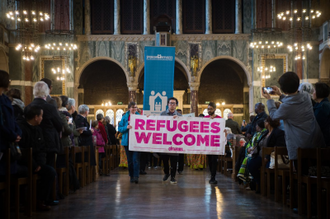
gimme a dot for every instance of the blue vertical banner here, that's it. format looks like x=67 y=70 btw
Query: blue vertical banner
x=158 y=78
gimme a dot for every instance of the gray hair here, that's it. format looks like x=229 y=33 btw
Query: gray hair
x=71 y=102
x=307 y=87
x=82 y=109
x=40 y=90
x=107 y=119
x=230 y=115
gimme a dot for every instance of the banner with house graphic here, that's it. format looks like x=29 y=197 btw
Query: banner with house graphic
x=158 y=78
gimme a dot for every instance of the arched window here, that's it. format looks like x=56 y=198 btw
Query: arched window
x=218 y=112
x=99 y=111
x=119 y=115
x=162 y=11
x=225 y=113
x=193 y=16
x=205 y=112
x=111 y=114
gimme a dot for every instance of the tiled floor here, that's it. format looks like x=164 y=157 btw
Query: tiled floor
x=192 y=197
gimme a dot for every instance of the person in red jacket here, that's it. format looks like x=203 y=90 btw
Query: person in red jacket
x=100 y=119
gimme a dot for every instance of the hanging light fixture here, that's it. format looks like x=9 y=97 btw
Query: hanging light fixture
x=61 y=36
x=266 y=71
x=62 y=69
x=300 y=21
x=266 y=38
x=27 y=16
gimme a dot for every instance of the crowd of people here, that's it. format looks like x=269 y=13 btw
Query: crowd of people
x=48 y=125
x=301 y=118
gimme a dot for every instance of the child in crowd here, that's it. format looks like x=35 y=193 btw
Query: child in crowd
x=99 y=143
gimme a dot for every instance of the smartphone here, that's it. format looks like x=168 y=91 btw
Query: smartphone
x=268 y=89
x=70 y=120
x=243 y=120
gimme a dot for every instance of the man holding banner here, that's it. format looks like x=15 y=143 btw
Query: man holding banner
x=213 y=159
x=171 y=111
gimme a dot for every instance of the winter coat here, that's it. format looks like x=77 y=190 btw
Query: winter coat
x=51 y=125
x=301 y=128
x=9 y=130
x=99 y=140
x=322 y=115
x=122 y=128
x=32 y=138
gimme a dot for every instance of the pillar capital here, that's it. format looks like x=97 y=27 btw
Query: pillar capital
x=132 y=86
x=194 y=86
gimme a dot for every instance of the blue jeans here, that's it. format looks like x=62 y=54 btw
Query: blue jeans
x=133 y=160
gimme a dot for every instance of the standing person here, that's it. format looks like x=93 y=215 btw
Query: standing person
x=296 y=110
x=100 y=143
x=103 y=132
x=133 y=157
x=49 y=99
x=172 y=104
x=213 y=159
x=32 y=137
x=232 y=124
x=111 y=131
x=259 y=109
x=51 y=123
x=245 y=126
x=86 y=138
x=16 y=101
x=72 y=110
x=322 y=110
x=9 y=130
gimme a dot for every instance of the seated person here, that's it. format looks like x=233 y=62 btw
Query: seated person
x=32 y=137
x=250 y=149
x=273 y=137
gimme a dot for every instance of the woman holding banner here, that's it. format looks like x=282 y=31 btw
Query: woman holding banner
x=133 y=157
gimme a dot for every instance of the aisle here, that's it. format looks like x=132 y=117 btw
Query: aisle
x=192 y=197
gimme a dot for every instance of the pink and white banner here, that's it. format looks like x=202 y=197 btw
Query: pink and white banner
x=184 y=135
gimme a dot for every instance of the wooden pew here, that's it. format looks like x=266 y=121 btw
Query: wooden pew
x=78 y=166
x=64 y=170
x=265 y=172
x=5 y=185
x=281 y=171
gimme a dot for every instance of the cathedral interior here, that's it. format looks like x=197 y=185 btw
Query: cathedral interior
x=225 y=50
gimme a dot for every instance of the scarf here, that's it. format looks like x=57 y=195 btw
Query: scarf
x=18 y=102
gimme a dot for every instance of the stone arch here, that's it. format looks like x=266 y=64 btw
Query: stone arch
x=139 y=70
x=324 y=63
x=3 y=61
x=241 y=64
x=90 y=61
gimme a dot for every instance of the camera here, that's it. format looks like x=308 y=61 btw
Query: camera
x=268 y=89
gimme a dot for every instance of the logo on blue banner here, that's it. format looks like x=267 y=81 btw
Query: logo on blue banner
x=158 y=78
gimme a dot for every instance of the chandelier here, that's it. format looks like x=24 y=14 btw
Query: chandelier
x=265 y=71
x=62 y=69
x=299 y=16
x=266 y=38
x=61 y=36
x=27 y=17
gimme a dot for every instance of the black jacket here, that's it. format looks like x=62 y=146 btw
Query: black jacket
x=51 y=125
x=276 y=138
x=233 y=126
x=32 y=137
x=260 y=117
x=86 y=137
x=111 y=133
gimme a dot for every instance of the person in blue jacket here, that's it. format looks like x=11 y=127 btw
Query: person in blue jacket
x=9 y=130
x=322 y=109
x=133 y=157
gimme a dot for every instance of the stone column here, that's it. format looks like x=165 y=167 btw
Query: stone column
x=117 y=17
x=274 y=14
x=208 y=17
x=87 y=17
x=238 y=17
x=178 y=29
x=146 y=17
x=194 y=98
